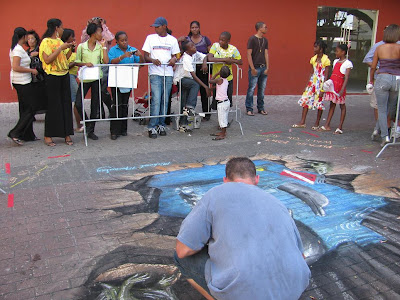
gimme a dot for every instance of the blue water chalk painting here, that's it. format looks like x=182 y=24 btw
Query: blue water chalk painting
x=343 y=215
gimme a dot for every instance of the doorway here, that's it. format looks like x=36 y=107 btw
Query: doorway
x=361 y=24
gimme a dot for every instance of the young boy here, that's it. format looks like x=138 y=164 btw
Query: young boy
x=224 y=54
x=190 y=83
x=223 y=103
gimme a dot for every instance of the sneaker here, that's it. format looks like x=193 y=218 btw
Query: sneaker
x=92 y=136
x=152 y=133
x=385 y=140
x=161 y=130
x=374 y=135
x=192 y=112
x=185 y=111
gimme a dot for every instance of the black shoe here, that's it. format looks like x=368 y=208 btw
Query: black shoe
x=114 y=137
x=152 y=133
x=92 y=136
x=124 y=134
x=161 y=130
x=207 y=117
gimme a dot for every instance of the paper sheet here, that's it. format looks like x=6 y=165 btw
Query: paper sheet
x=123 y=76
x=87 y=73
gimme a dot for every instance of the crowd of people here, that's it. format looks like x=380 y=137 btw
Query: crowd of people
x=44 y=72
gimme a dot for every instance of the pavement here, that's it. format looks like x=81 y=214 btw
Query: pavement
x=87 y=222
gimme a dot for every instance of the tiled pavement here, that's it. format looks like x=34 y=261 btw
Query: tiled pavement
x=74 y=219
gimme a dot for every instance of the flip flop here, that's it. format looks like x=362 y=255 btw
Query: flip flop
x=322 y=128
x=299 y=126
x=315 y=128
x=338 y=131
x=250 y=113
x=263 y=112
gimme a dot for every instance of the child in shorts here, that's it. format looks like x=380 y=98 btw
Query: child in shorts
x=223 y=103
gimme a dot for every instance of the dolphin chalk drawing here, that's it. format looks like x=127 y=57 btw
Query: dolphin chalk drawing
x=315 y=200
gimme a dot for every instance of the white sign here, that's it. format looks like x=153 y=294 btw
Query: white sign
x=123 y=76
x=89 y=73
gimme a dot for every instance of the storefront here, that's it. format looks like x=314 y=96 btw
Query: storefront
x=292 y=29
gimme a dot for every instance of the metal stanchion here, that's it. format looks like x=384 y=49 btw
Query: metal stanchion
x=163 y=113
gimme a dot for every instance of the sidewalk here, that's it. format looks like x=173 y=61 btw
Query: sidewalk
x=87 y=218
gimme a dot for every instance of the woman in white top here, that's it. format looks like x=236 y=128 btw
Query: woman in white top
x=20 y=77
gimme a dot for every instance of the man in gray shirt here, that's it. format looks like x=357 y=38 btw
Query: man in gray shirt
x=239 y=242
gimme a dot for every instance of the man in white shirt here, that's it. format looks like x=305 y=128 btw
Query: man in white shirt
x=160 y=49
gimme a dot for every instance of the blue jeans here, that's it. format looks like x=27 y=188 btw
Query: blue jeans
x=386 y=91
x=193 y=267
x=261 y=81
x=159 y=99
x=190 y=89
x=74 y=86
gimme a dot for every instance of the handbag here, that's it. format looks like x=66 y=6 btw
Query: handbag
x=37 y=64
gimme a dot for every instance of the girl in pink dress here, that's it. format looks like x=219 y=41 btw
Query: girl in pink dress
x=335 y=87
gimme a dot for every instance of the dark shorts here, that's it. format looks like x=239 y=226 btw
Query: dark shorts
x=193 y=267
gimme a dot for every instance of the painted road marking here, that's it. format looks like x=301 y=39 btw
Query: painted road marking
x=58 y=156
x=312 y=134
x=8 y=168
x=10 y=200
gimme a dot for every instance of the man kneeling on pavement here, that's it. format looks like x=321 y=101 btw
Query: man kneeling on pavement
x=239 y=242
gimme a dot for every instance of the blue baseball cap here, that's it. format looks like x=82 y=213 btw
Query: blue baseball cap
x=160 y=21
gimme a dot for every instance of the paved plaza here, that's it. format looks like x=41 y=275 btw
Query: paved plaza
x=99 y=222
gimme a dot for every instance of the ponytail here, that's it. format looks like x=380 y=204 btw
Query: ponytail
x=19 y=33
x=52 y=24
x=169 y=31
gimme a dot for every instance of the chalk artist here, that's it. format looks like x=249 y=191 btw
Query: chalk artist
x=107 y=169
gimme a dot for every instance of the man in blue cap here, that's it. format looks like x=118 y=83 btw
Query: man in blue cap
x=160 y=49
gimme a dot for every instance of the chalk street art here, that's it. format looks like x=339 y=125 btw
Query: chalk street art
x=330 y=215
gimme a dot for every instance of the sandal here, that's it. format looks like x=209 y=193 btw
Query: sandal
x=263 y=112
x=69 y=142
x=322 y=128
x=218 y=138
x=17 y=141
x=250 y=113
x=50 y=144
x=338 y=131
x=299 y=126
x=315 y=128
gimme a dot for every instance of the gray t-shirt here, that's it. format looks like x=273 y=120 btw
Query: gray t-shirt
x=254 y=246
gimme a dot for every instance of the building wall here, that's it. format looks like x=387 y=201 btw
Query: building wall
x=291 y=28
